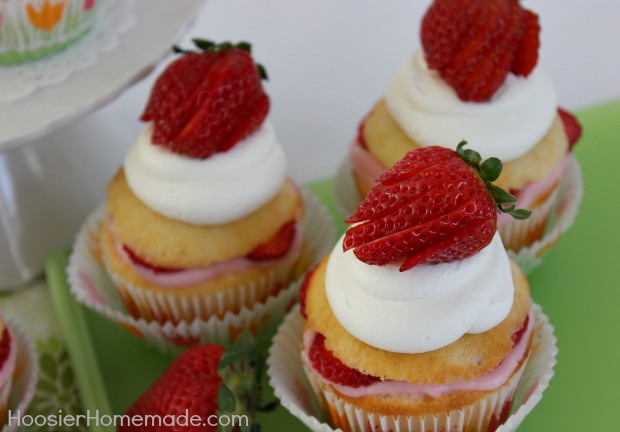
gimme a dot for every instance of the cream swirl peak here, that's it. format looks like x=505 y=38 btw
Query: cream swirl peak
x=424 y=308
x=220 y=189
x=507 y=126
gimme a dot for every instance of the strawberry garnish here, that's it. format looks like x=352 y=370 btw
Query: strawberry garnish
x=205 y=102
x=572 y=127
x=303 y=291
x=434 y=205
x=474 y=44
x=278 y=246
x=206 y=381
x=332 y=369
x=137 y=260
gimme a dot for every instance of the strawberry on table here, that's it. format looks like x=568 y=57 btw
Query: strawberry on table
x=206 y=102
x=475 y=44
x=434 y=205
x=204 y=382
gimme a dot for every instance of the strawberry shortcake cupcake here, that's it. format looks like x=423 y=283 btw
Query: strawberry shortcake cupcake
x=418 y=320
x=202 y=218
x=476 y=77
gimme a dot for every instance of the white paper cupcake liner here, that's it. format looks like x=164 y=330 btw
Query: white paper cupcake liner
x=287 y=377
x=92 y=286
x=25 y=376
x=560 y=216
x=558 y=213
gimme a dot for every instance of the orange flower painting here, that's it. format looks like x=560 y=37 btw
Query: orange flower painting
x=47 y=17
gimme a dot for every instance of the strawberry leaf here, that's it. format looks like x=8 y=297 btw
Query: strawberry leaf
x=226 y=401
x=490 y=169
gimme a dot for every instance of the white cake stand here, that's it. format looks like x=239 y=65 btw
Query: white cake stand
x=34 y=195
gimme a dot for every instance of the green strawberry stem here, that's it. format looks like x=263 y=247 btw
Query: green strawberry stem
x=205 y=45
x=241 y=368
x=489 y=170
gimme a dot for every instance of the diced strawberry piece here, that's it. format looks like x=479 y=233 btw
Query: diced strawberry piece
x=572 y=127
x=5 y=346
x=142 y=263
x=332 y=369
x=278 y=246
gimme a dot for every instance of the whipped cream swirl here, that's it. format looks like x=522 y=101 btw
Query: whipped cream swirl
x=220 y=189
x=509 y=125
x=424 y=308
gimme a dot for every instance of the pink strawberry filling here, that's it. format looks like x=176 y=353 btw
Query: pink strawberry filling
x=490 y=381
x=8 y=352
x=183 y=277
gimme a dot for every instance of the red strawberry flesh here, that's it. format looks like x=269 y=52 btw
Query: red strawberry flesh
x=333 y=369
x=190 y=383
x=278 y=246
x=475 y=44
x=207 y=102
x=430 y=207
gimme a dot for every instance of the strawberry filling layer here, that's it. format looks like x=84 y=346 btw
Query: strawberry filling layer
x=490 y=381
x=8 y=354
x=183 y=277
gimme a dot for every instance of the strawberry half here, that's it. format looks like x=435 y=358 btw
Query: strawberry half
x=206 y=382
x=474 y=44
x=434 y=205
x=205 y=102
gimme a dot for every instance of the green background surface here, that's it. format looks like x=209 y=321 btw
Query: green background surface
x=578 y=286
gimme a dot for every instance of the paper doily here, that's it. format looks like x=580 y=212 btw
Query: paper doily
x=20 y=81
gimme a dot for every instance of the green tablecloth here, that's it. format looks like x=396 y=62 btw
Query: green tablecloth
x=578 y=286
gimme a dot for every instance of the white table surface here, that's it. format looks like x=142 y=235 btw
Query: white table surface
x=328 y=62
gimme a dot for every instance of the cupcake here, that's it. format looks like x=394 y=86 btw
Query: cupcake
x=476 y=77
x=30 y=29
x=418 y=320
x=202 y=219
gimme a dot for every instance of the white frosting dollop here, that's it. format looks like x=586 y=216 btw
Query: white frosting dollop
x=424 y=308
x=222 y=188
x=430 y=112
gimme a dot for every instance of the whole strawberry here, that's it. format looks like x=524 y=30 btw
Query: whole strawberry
x=434 y=205
x=202 y=384
x=205 y=102
x=474 y=44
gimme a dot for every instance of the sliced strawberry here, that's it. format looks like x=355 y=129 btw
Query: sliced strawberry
x=526 y=56
x=332 y=369
x=474 y=44
x=278 y=246
x=516 y=336
x=435 y=205
x=572 y=127
x=206 y=102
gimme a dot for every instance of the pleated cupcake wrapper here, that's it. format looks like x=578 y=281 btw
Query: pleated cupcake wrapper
x=311 y=403
x=168 y=305
x=560 y=215
x=92 y=286
x=25 y=377
x=23 y=37
x=556 y=215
